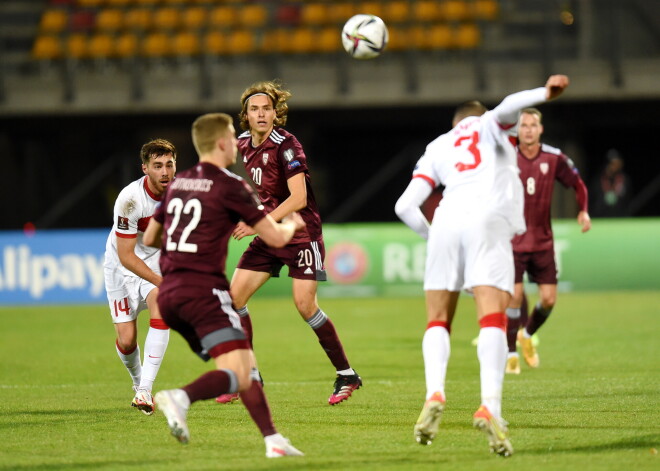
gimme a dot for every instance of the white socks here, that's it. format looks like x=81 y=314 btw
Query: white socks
x=154 y=349
x=492 y=353
x=436 y=349
x=132 y=363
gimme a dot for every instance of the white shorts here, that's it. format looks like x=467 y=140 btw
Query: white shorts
x=127 y=295
x=469 y=250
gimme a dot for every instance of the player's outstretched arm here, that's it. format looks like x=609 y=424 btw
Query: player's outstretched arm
x=507 y=112
x=153 y=234
x=279 y=234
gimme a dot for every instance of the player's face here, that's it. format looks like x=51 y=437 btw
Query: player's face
x=260 y=114
x=529 y=129
x=160 y=171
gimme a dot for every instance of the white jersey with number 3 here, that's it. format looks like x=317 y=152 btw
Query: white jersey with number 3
x=477 y=165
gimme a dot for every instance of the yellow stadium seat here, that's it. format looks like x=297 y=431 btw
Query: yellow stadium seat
x=426 y=11
x=314 y=14
x=138 y=19
x=439 y=36
x=101 y=46
x=127 y=45
x=370 y=7
x=53 y=21
x=253 y=15
x=276 y=41
x=467 y=36
x=185 y=43
x=215 y=43
x=110 y=20
x=156 y=45
x=455 y=10
x=166 y=18
x=76 y=46
x=396 y=11
x=47 y=47
x=339 y=12
x=241 y=41
x=328 y=40
x=487 y=10
x=223 y=17
x=398 y=39
x=194 y=17
x=302 y=41
x=418 y=38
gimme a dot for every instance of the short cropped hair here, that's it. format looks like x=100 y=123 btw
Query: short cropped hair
x=533 y=111
x=207 y=129
x=468 y=108
x=156 y=148
x=278 y=97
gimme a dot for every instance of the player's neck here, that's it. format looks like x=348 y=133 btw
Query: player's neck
x=154 y=191
x=259 y=138
x=530 y=150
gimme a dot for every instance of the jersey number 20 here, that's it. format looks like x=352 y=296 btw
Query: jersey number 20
x=176 y=207
x=472 y=148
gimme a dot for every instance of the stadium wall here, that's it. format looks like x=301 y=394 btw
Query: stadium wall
x=66 y=266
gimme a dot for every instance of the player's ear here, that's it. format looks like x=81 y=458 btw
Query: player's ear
x=144 y=169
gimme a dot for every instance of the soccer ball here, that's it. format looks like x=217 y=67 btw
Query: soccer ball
x=364 y=36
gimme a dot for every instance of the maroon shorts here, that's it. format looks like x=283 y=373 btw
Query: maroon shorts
x=204 y=317
x=305 y=260
x=540 y=266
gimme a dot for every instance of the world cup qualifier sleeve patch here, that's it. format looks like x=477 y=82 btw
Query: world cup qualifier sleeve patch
x=122 y=223
x=288 y=155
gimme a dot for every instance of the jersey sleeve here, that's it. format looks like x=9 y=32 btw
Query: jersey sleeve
x=506 y=113
x=567 y=174
x=292 y=157
x=425 y=170
x=126 y=215
x=242 y=200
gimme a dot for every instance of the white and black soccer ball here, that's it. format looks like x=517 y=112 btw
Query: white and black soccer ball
x=364 y=36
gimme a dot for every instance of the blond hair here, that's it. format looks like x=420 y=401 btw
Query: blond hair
x=207 y=129
x=278 y=97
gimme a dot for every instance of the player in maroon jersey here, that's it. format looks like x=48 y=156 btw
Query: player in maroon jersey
x=277 y=164
x=193 y=225
x=540 y=165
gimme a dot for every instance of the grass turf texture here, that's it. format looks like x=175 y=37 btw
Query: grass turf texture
x=593 y=403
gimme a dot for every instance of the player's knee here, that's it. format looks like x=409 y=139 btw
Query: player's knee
x=244 y=380
x=126 y=342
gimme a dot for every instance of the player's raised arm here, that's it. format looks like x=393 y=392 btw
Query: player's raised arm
x=507 y=111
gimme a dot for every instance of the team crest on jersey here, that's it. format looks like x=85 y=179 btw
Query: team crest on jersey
x=264 y=158
x=122 y=223
x=288 y=155
x=544 y=167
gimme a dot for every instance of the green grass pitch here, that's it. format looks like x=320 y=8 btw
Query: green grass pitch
x=592 y=404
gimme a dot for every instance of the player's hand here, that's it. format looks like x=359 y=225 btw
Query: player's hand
x=555 y=86
x=296 y=219
x=242 y=230
x=584 y=220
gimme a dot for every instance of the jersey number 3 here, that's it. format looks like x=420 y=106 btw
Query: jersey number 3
x=472 y=148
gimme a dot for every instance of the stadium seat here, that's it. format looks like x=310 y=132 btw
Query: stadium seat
x=328 y=40
x=417 y=38
x=138 y=19
x=302 y=41
x=240 y=42
x=439 y=36
x=396 y=11
x=371 y=7
x=314 y=14
x=82 y=21
x=54 y=21
x=215 y=43
x=76 y=46
x=166 y=18
x=398 y=39
x=276 y=40
x=194 y=18
x=467 y=36
x=185 y=43
x=485 y=9
x=339 y=12
x=156 y=45
x=47 y=47
x=427 y=11
x=223 y=17
x=101 y=46
x=110 y=20
x=288 y=14
x=253 y=16
x=126 y=45
x=455 y=10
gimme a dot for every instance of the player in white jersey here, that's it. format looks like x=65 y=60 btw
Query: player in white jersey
x=132 y=272
x=469 y=247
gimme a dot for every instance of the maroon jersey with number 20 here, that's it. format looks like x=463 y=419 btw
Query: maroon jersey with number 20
x=204 y=204
x=270 y=165
x=538 y=177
